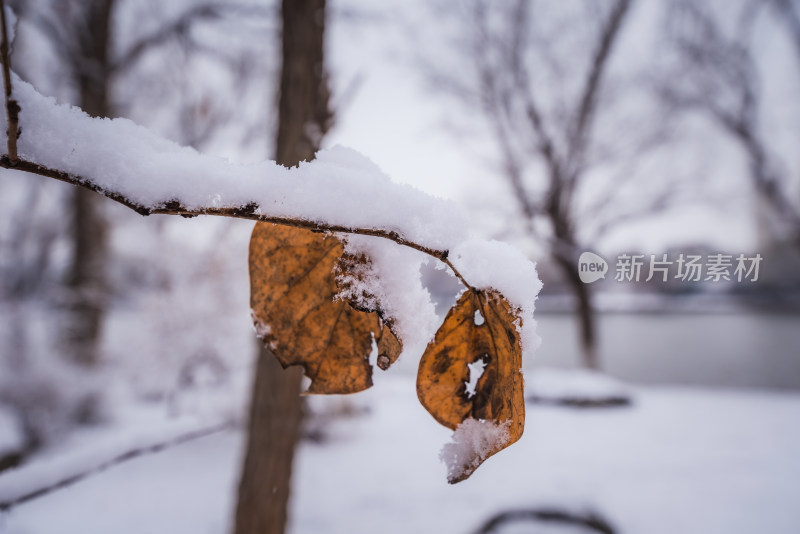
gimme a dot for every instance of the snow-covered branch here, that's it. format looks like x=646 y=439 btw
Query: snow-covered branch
x=23 y=485
x=339 y=191
x=248 y=211
x=12 y=107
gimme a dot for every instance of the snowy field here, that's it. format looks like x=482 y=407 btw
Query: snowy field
x=679 y=460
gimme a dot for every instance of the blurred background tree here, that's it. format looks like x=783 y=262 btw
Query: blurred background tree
x=717 y=73
x=564 y=110
x=304 y=117
x=151 y=62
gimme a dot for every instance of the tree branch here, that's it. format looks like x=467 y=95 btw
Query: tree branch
x=12 y=107
x=249 y=211
x=544 y=143
x=129 y=455
x=497 y=104
x=589 y=95
x=176 y=28
x=727 y=91
x=588 y=100
x=788 y=13
x=180 y=27
x=174 y=206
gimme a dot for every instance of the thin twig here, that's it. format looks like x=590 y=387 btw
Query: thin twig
x=129 y=455
x=183 y=24
x=12 y=108
x=249 y=211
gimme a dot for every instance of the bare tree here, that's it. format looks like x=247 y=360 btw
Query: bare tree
x=94 y=70
x=721 y=79
x=42 y=408
x=275 y=414
x=82 y=33
x=90 y=35
x=543 y=103
x=788 y=11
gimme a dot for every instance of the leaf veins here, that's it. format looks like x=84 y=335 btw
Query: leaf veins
x=479 y=328
x=293 y=293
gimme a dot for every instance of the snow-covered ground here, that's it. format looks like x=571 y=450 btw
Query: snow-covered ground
x=678 y=460
x=10 y=438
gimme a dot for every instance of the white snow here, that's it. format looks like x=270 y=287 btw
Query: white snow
x=339 y=187
x=177 y=491
x=11 y=438
x=552 y=383
x=499 y=266
x=94 y=450
x=679 y=460
x=394 y=281
x=262 y=330
x=11 y=23
x=475 y=372
x=472 y=442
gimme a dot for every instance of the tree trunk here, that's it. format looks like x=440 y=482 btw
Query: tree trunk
x=586 y=313
x=86 y=276
x=275 y=414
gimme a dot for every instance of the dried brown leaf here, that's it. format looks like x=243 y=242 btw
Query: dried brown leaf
x=479 y=328
x=293 y=292
x=389 y=347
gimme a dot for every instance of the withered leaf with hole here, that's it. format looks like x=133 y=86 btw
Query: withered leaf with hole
x=292 y=295
x=463 y=339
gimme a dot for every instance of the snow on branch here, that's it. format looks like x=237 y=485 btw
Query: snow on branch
x=340 y=191
x=128 y=163
x=27 y=483
x=12 y=107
